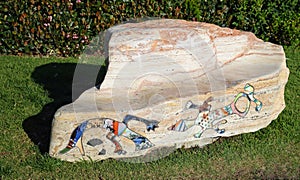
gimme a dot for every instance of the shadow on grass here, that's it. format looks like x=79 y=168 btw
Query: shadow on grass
x=64 y=83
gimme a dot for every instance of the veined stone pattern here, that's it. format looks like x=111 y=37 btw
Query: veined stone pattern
x=169 y=84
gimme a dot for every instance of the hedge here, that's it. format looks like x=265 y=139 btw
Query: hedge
x=64 y=27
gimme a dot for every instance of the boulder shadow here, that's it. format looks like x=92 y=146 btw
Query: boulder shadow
x=64 y=82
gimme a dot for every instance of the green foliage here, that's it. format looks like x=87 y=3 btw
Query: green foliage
x=64 y=27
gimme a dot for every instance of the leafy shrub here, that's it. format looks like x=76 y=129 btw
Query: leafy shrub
x=64 y=27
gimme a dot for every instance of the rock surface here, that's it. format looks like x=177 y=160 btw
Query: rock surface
x=172 y=83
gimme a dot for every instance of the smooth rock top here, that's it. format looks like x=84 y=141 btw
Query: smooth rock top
x=183 y=56
x=172 y=83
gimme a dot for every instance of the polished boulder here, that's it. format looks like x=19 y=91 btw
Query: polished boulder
x=172 y=84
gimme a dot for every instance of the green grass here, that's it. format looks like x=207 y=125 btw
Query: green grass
x=31 y=89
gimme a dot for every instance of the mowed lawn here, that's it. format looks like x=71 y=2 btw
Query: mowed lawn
x=31 y=89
